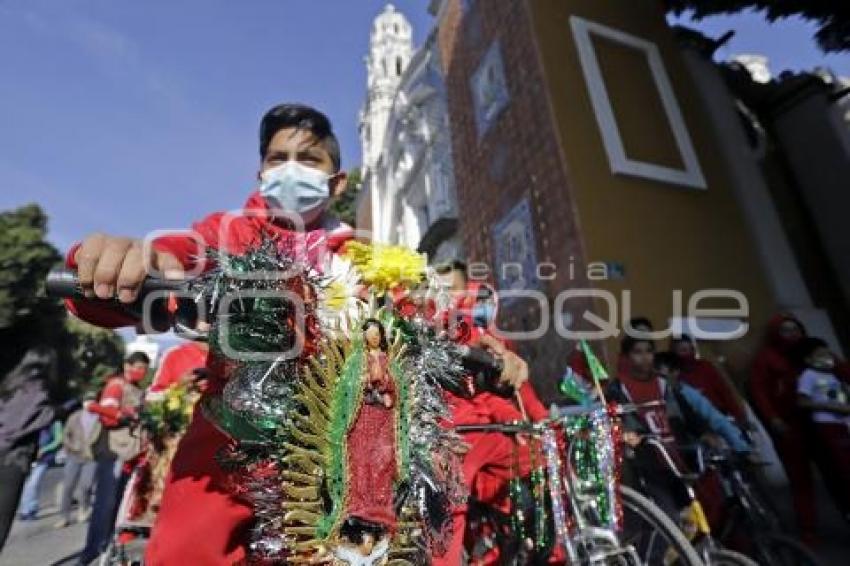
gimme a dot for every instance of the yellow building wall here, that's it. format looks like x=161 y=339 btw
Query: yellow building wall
x=667 y=236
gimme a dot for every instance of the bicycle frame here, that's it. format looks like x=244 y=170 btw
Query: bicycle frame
x=595 y=543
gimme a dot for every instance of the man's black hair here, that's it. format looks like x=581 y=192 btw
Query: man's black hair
x=137 y=357
x=666 y=359
x=629 y=342
x=299 y=117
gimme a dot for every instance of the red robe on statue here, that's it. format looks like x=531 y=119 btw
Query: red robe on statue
x=372 y=451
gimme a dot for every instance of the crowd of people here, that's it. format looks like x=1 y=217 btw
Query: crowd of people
x=799 y=392
x=797 y=387
x=98 y=440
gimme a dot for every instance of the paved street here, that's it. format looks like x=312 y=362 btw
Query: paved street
x=37 y=543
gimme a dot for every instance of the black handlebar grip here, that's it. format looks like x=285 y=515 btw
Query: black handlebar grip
x=63 y=283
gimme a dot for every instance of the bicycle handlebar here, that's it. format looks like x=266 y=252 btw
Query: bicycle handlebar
x=559 y=414
x=64 y=283
x=619 y=409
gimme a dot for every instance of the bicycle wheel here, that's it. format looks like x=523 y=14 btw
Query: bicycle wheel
x=782 y=550
x=654 y=538
x=723 y=557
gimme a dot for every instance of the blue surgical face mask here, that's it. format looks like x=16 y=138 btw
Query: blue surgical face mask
x=296 y=188
x=483 y=314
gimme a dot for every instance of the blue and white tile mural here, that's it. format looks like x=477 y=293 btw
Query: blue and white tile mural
x=489 y=89
x=514 y=251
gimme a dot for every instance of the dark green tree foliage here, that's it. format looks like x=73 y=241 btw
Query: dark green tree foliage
x=27 y=316
x=344 y=207
x=96 y=352
x=832 y=17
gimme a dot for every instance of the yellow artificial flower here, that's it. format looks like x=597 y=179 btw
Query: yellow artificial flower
x=385 y=267
x=174 y=399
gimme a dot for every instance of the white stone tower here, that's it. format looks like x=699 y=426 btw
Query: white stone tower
x=390 y=50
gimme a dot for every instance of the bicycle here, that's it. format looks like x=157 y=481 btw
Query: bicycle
x=694 y=522
x=750 y=513
x=130 y=536
x=595 y=523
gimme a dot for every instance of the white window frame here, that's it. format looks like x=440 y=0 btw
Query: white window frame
x=691 y=175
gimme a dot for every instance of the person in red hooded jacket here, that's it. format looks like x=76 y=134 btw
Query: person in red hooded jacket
x=773 y=391
x=200 y=521
x=117 y=404
x=705 y=378
x=488 y=464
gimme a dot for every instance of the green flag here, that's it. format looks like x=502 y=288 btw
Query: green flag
x=597 y=370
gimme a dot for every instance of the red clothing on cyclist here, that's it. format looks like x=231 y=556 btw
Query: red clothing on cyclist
x=200 y=521
x=641 y=392
x=488 y=464
x=112 y=404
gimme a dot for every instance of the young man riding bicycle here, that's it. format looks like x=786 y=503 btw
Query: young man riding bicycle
x=201 y=520
x=681 y=417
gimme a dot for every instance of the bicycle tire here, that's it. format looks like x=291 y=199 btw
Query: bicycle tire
x=723 y=557
x=651 y=514
x=782 y=550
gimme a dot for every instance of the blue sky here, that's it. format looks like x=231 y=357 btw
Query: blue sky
x=127 y=116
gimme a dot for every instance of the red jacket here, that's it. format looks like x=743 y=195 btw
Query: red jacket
x=222 y=231
x=703 y=376
x=110 y=404
x=196 y=481
x=773 y=378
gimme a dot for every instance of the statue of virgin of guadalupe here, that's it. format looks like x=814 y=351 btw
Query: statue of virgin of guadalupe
x=372 y=451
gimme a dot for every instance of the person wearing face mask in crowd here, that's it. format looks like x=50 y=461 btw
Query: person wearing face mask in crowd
x=200 y=520
x=487 y=465
x=117 y=406
x=824 y=395
x=773 y=392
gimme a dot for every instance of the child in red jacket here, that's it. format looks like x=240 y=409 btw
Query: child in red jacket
x=200 y=521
